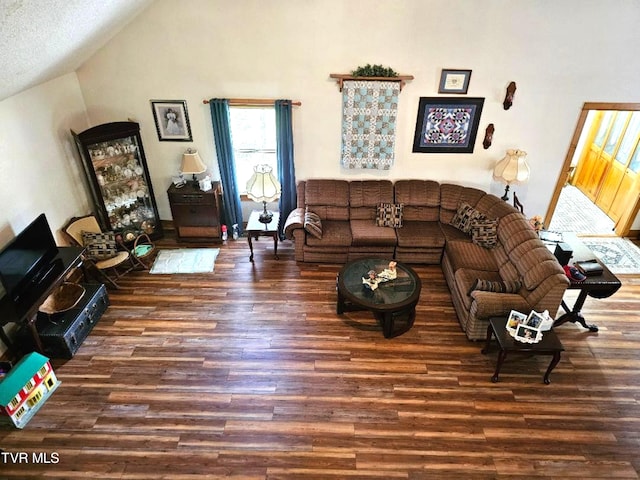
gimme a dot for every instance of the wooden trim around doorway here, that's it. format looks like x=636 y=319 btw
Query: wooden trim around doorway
x=622 y=230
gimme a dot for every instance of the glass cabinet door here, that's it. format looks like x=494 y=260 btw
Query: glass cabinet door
x=119 y=179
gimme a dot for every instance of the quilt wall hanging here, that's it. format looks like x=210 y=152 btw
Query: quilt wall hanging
x=447 y=125
x=369 y=113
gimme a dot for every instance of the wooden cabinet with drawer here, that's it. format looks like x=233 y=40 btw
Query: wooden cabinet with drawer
x=196 y=214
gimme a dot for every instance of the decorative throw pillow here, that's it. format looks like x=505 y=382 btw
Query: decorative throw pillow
x=390 y=215
x=484 y=233
x=100 y=246
x=313 y=224
x=495 y=286
x=464 y=217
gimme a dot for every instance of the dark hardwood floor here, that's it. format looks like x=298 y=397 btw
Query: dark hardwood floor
x=249 y=373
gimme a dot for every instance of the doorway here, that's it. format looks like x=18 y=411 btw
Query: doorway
x=598 y=192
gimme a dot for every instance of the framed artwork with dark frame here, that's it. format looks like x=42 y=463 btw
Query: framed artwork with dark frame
x=454 y=81
x=172 y=120
x=447 y=125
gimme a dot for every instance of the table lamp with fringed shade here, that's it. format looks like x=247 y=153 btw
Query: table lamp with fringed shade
x=263 y=187
x=192 y=164
x=513 y=168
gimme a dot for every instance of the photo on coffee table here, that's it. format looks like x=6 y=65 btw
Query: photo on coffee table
x=515 y=319
x=527 y=334
x=534 y=320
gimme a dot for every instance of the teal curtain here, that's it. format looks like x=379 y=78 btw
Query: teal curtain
x=231 y=206
x=286 y=168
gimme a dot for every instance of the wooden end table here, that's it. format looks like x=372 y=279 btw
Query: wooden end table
x=256 y=229
x=597 y=286
x=549 y=345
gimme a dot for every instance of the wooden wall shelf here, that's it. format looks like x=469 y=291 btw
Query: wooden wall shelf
x=340 y=78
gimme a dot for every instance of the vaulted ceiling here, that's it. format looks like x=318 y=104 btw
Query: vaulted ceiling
x=44 y=39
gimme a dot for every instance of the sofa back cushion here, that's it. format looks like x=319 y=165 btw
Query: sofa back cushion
x=530 y=257
x=494 y=207
x=421 y=199
x=451 y=196
x=366 y=195
x=329 y=199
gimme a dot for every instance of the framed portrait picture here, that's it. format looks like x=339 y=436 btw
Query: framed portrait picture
x=515 y=319
x=454 y=81
x=534 y=320
x=447 y=125
x=172 y=120
x=527 y=334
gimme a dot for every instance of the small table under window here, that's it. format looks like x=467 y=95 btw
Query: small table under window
x=256 y=229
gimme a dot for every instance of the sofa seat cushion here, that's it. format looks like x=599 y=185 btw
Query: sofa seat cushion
x=420 y=235
x=334 y=234
x=452 y=233
x=465 y=280
x=469 y=255
x=365 y=232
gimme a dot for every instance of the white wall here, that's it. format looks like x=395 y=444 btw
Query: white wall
x=554 y=51
x=38 y=170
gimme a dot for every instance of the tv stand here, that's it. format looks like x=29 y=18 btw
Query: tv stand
x=25 y=312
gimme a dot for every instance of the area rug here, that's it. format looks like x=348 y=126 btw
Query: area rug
x=618 y=254
x=185 y=260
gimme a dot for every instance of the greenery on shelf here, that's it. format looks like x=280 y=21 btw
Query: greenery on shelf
x=374 y=71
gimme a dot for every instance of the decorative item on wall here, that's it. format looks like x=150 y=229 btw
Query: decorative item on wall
x=454 y=81
x=447 y=125
x=172 y=120
x=508 y=99
x=513 y=168
x=374 y=71
x=369 y=112
x=488 y=136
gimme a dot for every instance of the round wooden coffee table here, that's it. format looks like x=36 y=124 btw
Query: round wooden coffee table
x=392 y=302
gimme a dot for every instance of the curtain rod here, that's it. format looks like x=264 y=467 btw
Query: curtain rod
x=249 y=102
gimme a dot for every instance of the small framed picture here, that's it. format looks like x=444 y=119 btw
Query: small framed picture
x=527 y=334
x=534 y=320
x=454 y=81
x=172 y=120
x=515 y=319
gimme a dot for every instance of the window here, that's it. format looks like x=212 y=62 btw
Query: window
x=29 y=386
x=253 y=135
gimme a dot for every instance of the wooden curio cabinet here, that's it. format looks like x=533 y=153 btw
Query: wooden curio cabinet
x=116 y=168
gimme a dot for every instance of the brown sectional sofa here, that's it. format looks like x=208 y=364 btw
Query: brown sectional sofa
x=348 y=212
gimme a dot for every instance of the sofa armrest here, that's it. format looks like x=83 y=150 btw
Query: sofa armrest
x=492 y=304
x=295 y=220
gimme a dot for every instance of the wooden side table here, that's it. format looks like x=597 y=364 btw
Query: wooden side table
x=196 y=214
x=549 y=345
x=257 y=229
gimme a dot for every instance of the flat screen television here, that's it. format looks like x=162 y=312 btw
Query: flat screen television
x=27 y=260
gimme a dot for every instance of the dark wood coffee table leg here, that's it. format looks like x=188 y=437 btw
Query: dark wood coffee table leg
x=552 y=365
x=502 y=354
x=387 y=324
x=340 y=304
x=488 y=342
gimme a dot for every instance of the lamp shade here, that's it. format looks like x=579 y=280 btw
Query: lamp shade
x=263 y=185
x=513 y=168
x=192 y=163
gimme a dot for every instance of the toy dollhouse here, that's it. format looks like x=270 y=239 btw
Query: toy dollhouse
x=25 y=389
